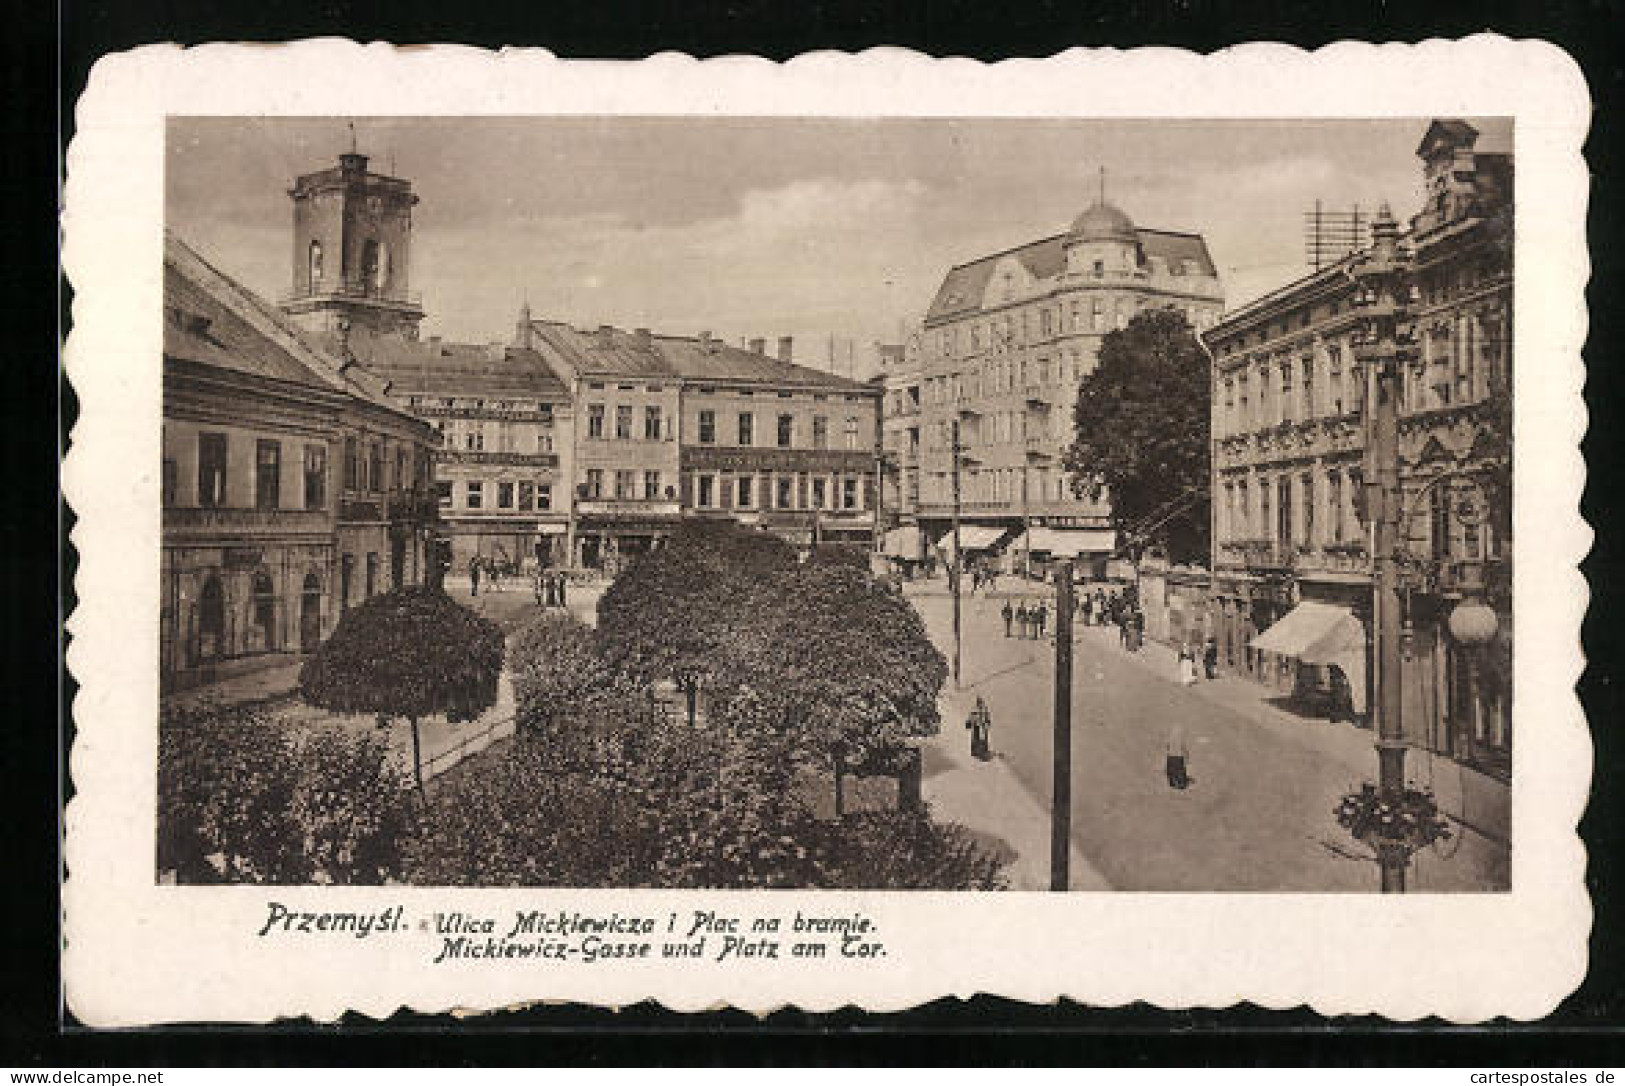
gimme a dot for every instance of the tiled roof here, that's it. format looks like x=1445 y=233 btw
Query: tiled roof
x=436 y=367
x=608 y=353
x=713 y=360
x=216 y=321
x=964 y=286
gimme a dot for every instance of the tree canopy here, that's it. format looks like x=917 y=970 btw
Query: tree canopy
x=666 y=616
x=411 y=652
x=838 y=660
x=1141 y=425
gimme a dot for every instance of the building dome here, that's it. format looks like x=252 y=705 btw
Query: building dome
x=1103 y=222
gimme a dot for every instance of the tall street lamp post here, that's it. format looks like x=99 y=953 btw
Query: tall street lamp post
x=954 y=558
x=1385 y=345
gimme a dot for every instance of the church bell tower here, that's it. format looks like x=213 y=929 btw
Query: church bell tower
x=352 y=237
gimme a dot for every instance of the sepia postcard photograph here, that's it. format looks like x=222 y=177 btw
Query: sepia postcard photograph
x=677 y=530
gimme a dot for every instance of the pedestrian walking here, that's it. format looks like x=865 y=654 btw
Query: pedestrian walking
x=474 y=576
x=980 y=724
x=1006 y=613
x=1021 y=619
x=1185 y=669
x=1043 y=618
x=1210 y=658
x=1178 y=759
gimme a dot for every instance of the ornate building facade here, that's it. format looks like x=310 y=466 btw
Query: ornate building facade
x=1290 y=434
x=291 y=487
x=1004 y=345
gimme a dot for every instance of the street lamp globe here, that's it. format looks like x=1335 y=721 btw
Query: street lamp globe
x=1472 y=623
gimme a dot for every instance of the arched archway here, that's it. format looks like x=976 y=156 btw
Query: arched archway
x=211 y=620
x=264 y=613
x=310 y=613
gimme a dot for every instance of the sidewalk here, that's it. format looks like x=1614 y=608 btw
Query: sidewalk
x=275 y=679
x=988 y=799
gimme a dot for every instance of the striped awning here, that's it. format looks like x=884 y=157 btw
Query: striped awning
x=972 y=537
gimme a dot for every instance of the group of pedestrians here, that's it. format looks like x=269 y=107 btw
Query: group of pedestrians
x=1025 y=621
x=489 y=569
x=550 y=586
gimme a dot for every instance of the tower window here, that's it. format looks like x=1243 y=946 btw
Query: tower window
x=315 y=263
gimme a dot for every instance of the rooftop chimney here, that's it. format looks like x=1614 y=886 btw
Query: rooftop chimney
x=606 y=336
x=522 y=336
x=758 y=346
x=496 y=350
x=644 y=338
x=434 y=345
x=785 y=343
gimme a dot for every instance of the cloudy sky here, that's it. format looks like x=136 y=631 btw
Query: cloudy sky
x=810 y=228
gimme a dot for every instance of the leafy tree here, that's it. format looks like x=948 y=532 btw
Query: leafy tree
x=244 y=798
x=666 y=616
x=838 y=662
x=906 y=850
x=672 y=806
x=1141 y=425
x=411 y=652
x=556 y=670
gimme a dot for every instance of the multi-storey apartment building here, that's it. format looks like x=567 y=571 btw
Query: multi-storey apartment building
x=900 y=384
x=502 y=479
x=291 y=486
x=1005 y=343
x=624 y=440
x=768 y=442
x=1290 y=433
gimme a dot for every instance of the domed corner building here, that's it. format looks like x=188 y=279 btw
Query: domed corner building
x=1002 y=348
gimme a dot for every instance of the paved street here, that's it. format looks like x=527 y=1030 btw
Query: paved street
x=1258 y=815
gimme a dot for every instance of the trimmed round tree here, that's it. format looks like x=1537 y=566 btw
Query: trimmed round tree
x=667 y=616
x=412 y=652
x=839 y=662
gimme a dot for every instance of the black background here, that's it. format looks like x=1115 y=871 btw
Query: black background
x=48 y=63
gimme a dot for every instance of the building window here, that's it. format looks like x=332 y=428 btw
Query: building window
x=851 y=429
x=786 y=492
x=504 y=495
x=1308 y=537
x=820 y=432
x=819 y=492
x=375 y=478
x=623 y=422
x=708 y=427
x=171 y=481
x=707 y=492
x=315 y=259
x=1100 y=269
x=787 y=426
x=626 y=485
x=315 y=476
x=442 y=493
x=346 y=578
x=544 y=497
x=211 y=470
x=527 y=495
x=651 y=486
x=747 y=428
x=595 y=483
x=746 y=499
x=400 y=482
x=1334 y=505
x=1334 y=379
x=1308 y=388
x=651 y=423
x=372 y=573
x=1286 y=392
x=267 y=474
x=849 y=493
x=595 y=421
x=473 y=494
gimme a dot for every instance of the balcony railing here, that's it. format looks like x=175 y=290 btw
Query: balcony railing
x=353 y=287
x=508 y=459
x=1038 y=397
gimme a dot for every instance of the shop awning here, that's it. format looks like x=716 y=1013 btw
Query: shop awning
x=905 y=542
x=973 y=537
x=546 y=528
x=1067 y=542
x=1311 y=631
x=1322 y=634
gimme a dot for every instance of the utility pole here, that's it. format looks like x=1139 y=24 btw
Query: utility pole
x=1060 y=833
x=1383 y=296
x=953 y=559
